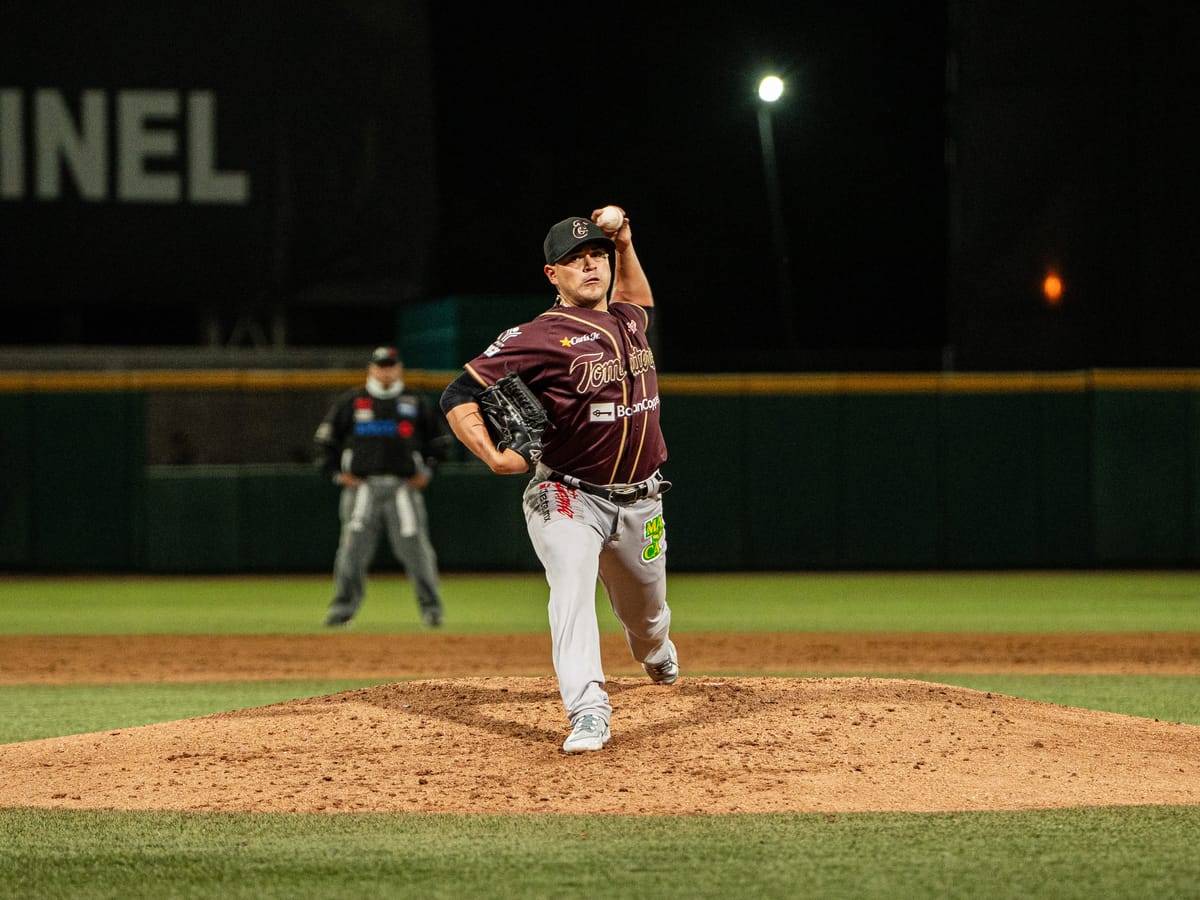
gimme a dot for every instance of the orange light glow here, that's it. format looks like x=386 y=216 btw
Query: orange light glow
x=1052 y=288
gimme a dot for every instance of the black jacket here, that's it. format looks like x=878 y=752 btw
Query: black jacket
x=365 y=435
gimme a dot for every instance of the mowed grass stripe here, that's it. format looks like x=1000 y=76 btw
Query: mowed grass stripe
x=509 y=603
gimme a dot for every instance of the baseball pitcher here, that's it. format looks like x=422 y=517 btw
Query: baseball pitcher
x=572 y=397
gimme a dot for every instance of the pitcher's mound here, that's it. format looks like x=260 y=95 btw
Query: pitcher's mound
x=705 y=745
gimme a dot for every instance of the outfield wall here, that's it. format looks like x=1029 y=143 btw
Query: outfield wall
x=789 y=472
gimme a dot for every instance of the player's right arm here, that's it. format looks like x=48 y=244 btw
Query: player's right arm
x=331 y=436
x=630 y=284
x=465 y=417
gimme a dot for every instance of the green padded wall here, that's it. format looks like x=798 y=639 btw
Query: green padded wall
x=889 y=481
x=475 y=519
x=191 y=520
x=16 y=480
x=288 y=519
x=1041 y=472
x=705 y=510
x=991 y=453
x=1065 y=460
x=1143 y=495
x=791 y=471
x=87 y=475
x=1194 y=476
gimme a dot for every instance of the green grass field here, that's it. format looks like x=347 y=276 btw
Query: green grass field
x=1099 y=852
x=516 y=603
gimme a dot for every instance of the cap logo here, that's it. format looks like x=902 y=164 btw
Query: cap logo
x=568 y=234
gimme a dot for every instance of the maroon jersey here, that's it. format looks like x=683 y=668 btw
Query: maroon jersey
x=594 y=372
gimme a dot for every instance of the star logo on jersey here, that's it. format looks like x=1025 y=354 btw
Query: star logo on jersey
x=580 y=339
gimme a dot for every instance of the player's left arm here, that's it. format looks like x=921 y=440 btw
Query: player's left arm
x=630 y=284
x=467 y=422
x=464 y=415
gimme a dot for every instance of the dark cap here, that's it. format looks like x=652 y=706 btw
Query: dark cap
x=570 y=233
x=384 y=356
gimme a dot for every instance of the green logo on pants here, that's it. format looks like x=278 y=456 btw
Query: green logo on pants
x=655 y=533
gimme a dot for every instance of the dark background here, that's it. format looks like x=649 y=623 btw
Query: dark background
x=935 y=160
x=657 y=111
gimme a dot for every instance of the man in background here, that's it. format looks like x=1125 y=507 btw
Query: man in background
x=382 y=446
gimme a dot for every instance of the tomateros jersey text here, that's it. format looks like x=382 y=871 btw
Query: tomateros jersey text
x=588 y=367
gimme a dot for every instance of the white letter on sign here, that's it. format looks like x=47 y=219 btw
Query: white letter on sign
x=85 y=152
x=204 y=184
x=12 y=153
x=137 y=142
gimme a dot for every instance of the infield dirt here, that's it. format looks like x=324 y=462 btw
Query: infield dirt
x=479 y=729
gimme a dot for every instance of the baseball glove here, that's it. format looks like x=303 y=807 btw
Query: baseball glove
x=515 y=416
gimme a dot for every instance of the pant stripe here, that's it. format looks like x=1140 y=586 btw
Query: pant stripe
x=408 y=515
x=362 y=503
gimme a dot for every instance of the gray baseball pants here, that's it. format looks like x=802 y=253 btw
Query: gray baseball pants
x=580 y=538
x=379 y=503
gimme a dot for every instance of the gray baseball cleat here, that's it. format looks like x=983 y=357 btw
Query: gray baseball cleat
x=590 y=733
x=667 y=671
x=338 y=618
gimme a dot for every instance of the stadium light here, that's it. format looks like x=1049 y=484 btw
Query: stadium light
x=770 y=89
x=1052 y=288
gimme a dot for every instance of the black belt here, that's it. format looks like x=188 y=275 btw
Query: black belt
x=621 y=495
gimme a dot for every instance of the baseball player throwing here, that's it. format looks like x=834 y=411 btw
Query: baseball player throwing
x=593 y=508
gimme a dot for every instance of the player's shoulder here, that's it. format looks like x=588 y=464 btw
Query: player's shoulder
x=341 y=408
x=511 y=338
x=634 y=312
x=566 y=316
x=625 y=308
x=349 y=395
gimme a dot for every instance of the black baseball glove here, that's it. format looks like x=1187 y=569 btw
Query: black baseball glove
x=515 y=417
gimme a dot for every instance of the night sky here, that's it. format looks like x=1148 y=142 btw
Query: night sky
x=654 y=107
x=935 y=161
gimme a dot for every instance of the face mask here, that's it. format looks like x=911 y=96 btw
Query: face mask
x=383 y=392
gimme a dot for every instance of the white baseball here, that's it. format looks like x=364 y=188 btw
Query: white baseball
x=611 y=219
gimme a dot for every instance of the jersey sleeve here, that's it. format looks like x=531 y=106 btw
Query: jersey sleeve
x=642 y=316
x=331 y=435
x=524 y=350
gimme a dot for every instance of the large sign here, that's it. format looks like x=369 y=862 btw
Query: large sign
x=213 y=152
x=154 y=159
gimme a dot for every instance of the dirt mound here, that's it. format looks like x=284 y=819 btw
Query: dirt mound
x=482 y=733
x=706 y=745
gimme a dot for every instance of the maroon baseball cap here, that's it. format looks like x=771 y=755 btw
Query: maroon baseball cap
x=570 y=233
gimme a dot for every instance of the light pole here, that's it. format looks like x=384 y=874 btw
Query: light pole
x=770 y=89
